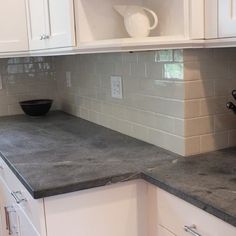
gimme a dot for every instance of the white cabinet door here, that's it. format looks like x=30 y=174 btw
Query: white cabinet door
x=14 y=221
x=25 y=226
x=60 y=23
x=227 y=18
x=3 y=216
x=117 y=210
x=36 y=23
x=13 y=26
x=9 y=217
x=51 y=24
x=174 y=214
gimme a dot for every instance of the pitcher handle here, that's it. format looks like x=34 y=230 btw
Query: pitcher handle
x=154 y=16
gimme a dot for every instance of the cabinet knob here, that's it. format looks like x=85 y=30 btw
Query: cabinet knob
x=18 y=197
x=191 y=230
x=44 y=36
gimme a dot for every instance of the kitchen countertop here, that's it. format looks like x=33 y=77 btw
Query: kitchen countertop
x=59 y=153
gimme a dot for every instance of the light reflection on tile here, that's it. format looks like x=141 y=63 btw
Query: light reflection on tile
x=174 y=71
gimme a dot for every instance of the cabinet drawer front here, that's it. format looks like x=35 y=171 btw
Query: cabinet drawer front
x=32 y=208
x=174 y=214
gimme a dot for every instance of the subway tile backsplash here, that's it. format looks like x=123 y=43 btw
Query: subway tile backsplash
x=26 y=78
x=153 y=87
x=175 y=99
x=172 y=98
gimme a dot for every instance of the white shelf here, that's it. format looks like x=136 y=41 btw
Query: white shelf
x=101 y=29
x=149 y=43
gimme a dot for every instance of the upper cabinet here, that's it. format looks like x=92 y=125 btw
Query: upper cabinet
x=106 y=24
x=227 y=18
x=85 y=26
x=13 y=26
x=50 y=24
x=220 y=19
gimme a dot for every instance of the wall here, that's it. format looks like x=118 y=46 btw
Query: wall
x=24 y=79
x=174 y=99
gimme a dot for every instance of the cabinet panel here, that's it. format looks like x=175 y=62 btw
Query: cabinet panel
x=14 y=221
x=10 y=220
x=51 y=24
x=33 y=208
x=227 y=18
x=174 y=214
x=3 y=219
x=60 y=23
x=25 y=226
x=211 y=19
x=196 y=12
x=117 y=210
x=36 y=23
x=13 y=26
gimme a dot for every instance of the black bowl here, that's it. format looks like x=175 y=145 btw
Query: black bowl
x=38 y=107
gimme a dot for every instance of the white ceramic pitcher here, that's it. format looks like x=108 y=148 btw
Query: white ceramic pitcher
x=136 y=20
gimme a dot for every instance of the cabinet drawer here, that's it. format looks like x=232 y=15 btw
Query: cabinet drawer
x=33 y=208
x=174 y=214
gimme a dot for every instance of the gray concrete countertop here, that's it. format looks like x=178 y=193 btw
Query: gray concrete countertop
x=59 y=153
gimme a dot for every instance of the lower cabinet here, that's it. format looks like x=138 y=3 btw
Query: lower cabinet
x=115 y=210
x=184 y=219
x=26 y=228
x=13 y=220
x=133 y=208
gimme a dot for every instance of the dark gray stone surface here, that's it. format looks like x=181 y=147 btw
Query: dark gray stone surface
x=208 y=181
x=60 y=153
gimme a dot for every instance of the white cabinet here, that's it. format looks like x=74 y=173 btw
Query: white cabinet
x=9 y=218
x=117 y=210
x=30 y=211
x=227 y=18
x=100 y=27
x=13 y=26
x=125 y=209
x=220 y=18
x=13 y=220
x=50 y=24
x=175 y=214
x=26 y=228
